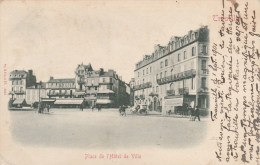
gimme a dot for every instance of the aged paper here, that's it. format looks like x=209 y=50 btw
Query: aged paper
x=53 y=38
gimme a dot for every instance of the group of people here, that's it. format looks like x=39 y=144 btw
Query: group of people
x=44 y=107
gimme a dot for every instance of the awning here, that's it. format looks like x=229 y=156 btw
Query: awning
x=19 y=101
x=106 y=91
x=48 y=99
x=69 y=101
x=90 y=98
x=79 y=93
x=103 y=101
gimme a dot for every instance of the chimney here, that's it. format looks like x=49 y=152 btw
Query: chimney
x=30 y=72
x=51 y=78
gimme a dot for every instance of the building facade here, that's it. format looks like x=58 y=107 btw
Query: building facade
x=35 y=93
x=61 y=88
x=176 y=75
x=100 y=87
x=20 y=80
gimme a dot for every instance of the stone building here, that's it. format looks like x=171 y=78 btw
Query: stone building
x=175 y=75
x=20 y=80
x=99 y=87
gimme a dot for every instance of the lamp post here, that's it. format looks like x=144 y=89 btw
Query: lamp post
x=39 y=104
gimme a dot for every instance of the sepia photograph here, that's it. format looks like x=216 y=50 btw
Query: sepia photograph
x=129 y=82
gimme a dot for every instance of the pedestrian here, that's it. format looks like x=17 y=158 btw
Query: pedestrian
x=197 y=113
x=99 y=108
x=81 y=107
x=191 y=111
x=48 y=108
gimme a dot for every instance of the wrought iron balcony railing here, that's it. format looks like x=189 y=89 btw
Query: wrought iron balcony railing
x=177 y=77
x=143 y=86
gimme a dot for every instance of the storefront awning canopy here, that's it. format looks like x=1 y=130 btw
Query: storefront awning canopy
x=69 y=101
x=103 y=101
x=90 y=98
x=106 y=91
x=18 y=101
x=48 y=99
x=79 y=93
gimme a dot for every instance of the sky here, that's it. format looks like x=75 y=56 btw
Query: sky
x=53 y=37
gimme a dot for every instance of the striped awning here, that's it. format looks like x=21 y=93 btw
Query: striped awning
x=69 y=101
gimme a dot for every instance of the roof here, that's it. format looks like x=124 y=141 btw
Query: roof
x=19 y=101
x=65 y=80
x=18 y=72
x=71 y=101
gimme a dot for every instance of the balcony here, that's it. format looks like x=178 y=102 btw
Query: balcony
x=177 y=77
x=205 y=71
x=153 y=94
x=81 y=81
x=92 y=85
x=170 y=92
x=143 y=86
x=184 y=91
x=19 y=92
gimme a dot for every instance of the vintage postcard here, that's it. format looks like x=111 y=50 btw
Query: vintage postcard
x=130 y=82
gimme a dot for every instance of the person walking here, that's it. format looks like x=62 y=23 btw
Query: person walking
x=191 y=111
x=197 y=113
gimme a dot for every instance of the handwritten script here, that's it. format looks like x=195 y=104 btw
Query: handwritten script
x=235 y=79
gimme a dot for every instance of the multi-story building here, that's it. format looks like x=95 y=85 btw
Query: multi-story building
x=100 y=87
x=60 y=88
x=35 y=93
x=20 y=80
x=175 y=75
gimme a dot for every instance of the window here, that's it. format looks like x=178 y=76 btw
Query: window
x=192 y=83
x=138 y=74
x=157 y=89
x=150 y=69
x=143 y=72
x=165 y=73
x=204 y=49
x=166 y=62
x=161 y=64
x=146 y=70
x=95 y=88
x=104 y=79
x=171 y=72
x=203 y=82
x=184 y=55
x=161 y=75
x=193 y=51
x=179 y=57
x=203 y=64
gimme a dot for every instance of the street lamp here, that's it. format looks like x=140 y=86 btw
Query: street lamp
x=39 y=104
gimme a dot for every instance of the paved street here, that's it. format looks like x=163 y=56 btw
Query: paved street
x=106 y=129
